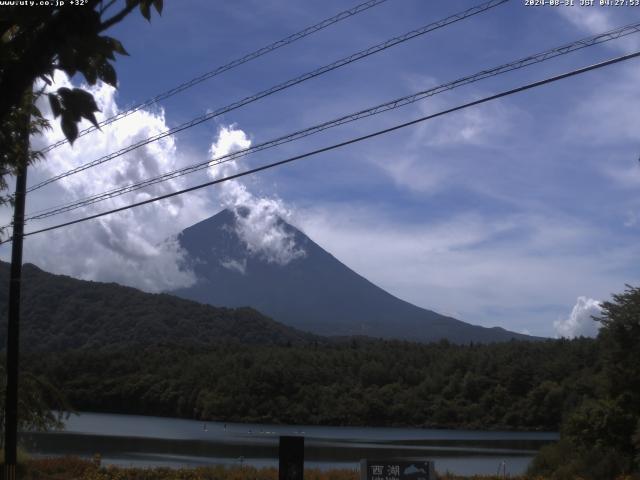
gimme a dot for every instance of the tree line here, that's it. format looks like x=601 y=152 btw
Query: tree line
x=516 y=385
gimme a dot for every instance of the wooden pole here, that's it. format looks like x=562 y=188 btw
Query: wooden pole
x=13 y=325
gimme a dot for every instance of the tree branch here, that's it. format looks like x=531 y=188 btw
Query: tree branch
x=104 y=8
x=118 y=17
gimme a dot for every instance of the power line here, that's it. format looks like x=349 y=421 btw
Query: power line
x=289 y=83
x=233 y=64
x=343 y=144
x=399 y=102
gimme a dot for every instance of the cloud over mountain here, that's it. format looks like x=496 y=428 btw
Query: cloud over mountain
x=258 y=223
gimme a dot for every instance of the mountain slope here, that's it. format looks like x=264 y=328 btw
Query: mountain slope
x=314 y=292
x=60 y=312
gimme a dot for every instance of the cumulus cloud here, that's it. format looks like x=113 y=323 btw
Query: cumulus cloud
x=259 y=220
x=130 y=247
x=580 y=322
x=137 y=247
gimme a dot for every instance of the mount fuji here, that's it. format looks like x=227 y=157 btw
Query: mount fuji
x=312 y=291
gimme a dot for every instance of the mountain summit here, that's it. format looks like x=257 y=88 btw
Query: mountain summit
x=300 y=284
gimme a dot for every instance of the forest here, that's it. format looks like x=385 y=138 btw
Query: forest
x=513 y=385
x=63 y=313
x=107 y=348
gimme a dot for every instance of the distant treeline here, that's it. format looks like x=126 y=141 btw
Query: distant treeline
x=516 y=385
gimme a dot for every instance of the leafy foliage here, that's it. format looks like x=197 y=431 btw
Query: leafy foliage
x=36 y=41
x=40 y=405
x=72 y=105
x=601 y=436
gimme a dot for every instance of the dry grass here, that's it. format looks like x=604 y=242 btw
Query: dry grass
x=68 y=468
x=74 y=468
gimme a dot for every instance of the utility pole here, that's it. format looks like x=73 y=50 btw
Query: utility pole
x=13 y=325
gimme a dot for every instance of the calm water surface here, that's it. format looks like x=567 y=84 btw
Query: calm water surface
x=153 y=441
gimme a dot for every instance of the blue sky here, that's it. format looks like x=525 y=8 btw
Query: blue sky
x=503 y=214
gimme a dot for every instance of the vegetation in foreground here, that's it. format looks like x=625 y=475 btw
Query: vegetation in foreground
x=590 y=389
x=600 y=438
x=68 y=468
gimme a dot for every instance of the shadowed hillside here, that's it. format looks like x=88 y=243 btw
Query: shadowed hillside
x=60 y=312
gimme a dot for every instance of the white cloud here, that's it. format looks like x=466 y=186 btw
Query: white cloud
x=437 y=155
x=595 y=20
x=137 y=247
x=482 y=125
x=418 y=174
x=476 y=126
x=258 y=219
x=239 y=266
x=580 y=322
x=130 y=247
x=592 y=20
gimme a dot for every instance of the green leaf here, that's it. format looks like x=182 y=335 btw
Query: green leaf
x=90 y=73
x=69 y=128
x=144 y=9
x=107 y=74
x=92 y=118
x=158 y=4
x=67 y=60
x=64 y=93
x=56 y=108
x=117 y=46
x=84 y=100
x=78 y=104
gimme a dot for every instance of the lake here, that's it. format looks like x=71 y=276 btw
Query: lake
x=132 y=440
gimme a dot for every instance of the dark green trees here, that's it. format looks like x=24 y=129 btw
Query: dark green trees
x=601 y=437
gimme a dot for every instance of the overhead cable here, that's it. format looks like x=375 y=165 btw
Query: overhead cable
x=390 y=105
x=233 y=64
x=342 y=144
x=282 y=86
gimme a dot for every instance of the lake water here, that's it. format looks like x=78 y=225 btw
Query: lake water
x=133 y=440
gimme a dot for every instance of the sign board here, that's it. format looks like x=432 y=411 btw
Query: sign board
x=401 y=469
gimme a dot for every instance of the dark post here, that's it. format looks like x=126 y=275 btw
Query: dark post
x=11 y=405
x=291 y=454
